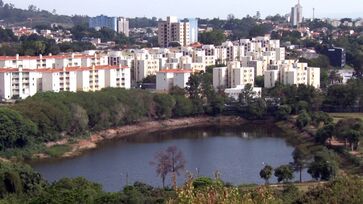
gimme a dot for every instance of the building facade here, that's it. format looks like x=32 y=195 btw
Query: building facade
x=173 y=31
x=102 y=21
x=337 y=56
x=22 y=83
x=167 y=79
x=117 y=24
x=296 y=17
x=123 y=26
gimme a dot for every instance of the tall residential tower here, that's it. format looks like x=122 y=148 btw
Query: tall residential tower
x=117 y=24
x=296 y=14
x=175 y=31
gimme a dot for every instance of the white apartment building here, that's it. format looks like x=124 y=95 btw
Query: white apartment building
x=233 y=76
x=220 y=77
x=235 y=92
x=292 y=74
x=52 y=61
x=118 y=77
x=296 y=17
x=57 y=80
x=271 y=77
x=258 y=65
x=166 y=79
x=123 y=26
x=27 y=62
x=242 y=76
x=232 y=52
x=18 y=83
x=172 y=30
x=22 y=83
x=144 y=68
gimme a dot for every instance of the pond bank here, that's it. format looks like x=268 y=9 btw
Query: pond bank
x=81 y=145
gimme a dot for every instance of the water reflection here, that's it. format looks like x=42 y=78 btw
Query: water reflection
x=238 y=153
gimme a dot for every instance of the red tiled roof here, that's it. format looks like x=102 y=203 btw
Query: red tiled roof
x=176 y=71
x=46 y=57
x=67 y=69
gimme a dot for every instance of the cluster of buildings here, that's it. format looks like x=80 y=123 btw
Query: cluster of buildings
x=345 y=22
x=244 y=60
x=262 y=57
x=24 y=76
x=117 y=24
x=59 y=36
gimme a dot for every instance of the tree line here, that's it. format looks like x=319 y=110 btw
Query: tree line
x=50 y=116
x=20 y=184
x=35 y=45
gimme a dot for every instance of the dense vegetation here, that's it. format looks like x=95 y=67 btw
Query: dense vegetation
x=36 y=45
x=20 y=184
x=35 y=16
x=241 y=28
x=51 y=116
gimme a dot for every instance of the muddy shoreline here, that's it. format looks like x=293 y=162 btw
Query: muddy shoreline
x=82 y=145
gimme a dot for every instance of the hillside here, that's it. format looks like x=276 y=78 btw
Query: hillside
x=9 y=15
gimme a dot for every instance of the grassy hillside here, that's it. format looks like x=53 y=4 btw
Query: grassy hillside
x=32 y=17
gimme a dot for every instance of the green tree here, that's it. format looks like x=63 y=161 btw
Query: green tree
x=164 y=105
x=149 y=79
x=13 y=182
x=301 y=156
x=284 y=173
x=283 y=112
x=183 y=106
x=266 y=173
x=350 y=130
x=303 y=119
x=341 y=190
x=202 y=182
x=216 y=104
x=193 y=86
x=341 y=95
x=260 y=81
x=66 y=190
x=321 y=117
x=215 y=37
x=79 y=119
x=324 y=166
x=177 y=91
x=34 y=47
x=246 y=95
x=325 y=133
x=257 y=108
x=15 y=130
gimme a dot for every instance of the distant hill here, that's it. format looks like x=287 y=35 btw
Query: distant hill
x=9 y=15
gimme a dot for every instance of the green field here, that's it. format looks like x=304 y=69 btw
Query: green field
x=339 y=116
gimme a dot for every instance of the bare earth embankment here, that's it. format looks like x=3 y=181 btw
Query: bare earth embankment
x=151 y=126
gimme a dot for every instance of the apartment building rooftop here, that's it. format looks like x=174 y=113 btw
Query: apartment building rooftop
x=176 y=71
x=66 y=69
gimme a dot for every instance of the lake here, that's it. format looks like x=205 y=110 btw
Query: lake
x=238 y=153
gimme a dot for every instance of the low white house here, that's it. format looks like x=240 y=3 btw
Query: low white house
x=235 y=92
x=166 y=79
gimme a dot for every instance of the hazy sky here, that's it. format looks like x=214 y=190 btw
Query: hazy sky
x=196 y=8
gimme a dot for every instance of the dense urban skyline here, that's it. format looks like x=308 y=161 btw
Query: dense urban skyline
x=190 y=8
